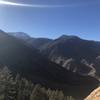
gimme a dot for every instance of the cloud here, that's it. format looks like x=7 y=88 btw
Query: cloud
x=2 y=2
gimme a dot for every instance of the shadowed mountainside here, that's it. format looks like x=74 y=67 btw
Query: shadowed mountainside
x=70 y=52
x=21 y=58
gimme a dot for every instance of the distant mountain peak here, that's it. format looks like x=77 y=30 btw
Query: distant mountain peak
x=68 y=37
x=20 y=35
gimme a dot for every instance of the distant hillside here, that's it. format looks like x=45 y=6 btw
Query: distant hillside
x=29 y=63
x=71 y=52
x=20 y=35
x=39 y=43
x=34 y=42
x=73 y=47
x=64 y=48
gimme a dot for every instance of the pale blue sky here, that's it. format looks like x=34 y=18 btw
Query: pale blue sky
x=52 y=18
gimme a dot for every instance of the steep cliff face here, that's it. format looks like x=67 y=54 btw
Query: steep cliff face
x=95 y=95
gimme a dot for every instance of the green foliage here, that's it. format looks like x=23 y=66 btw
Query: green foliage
x=38 y=93
x=17 y=88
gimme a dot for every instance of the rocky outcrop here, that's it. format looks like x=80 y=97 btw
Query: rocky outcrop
x=95 y=95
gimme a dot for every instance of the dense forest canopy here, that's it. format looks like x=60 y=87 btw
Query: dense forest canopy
x=17 y=88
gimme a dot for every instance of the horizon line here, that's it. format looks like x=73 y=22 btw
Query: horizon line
x=31 y=36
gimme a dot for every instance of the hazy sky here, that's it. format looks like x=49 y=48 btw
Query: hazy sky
x=51 y=18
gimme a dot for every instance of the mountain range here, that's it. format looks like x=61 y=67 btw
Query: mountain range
x=65 y=63
x=71 y=52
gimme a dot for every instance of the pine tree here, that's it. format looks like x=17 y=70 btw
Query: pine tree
x=17 y=88
x=38 y=94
